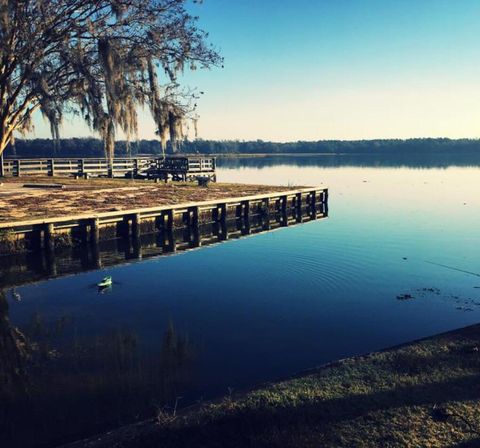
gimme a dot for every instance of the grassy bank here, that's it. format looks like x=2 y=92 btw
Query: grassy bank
x=102 y=195
x=426 y=394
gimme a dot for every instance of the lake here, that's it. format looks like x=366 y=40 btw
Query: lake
x=396 y=260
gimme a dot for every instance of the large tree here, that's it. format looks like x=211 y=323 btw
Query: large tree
x=100 y=59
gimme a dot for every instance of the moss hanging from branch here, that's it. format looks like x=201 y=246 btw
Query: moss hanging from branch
x=98 y=60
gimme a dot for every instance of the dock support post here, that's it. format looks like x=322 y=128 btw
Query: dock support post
x=283 y=210
x=192 y=223
x=192 y=216
x=135 y=225
x=94 y=231
x=169 y=237
x=49 y=237
x=298 y=207
x=220 y=218
x=266 y=206
x=313 y=204
x=246 y=209
x=168 y=220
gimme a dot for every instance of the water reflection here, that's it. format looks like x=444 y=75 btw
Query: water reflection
x=400 y=160
x=57 y=386
x=61 y=381
x=20 y=269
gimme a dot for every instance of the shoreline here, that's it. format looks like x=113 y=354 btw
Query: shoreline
x=421 y=393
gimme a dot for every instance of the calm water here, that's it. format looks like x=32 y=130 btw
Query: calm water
x=189 y=327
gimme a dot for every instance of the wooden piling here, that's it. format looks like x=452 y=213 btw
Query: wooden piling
x=94 y=231
x=49 y=237
x=135 y=220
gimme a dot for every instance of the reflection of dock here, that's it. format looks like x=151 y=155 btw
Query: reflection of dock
x=54 y=233
x=16 y=270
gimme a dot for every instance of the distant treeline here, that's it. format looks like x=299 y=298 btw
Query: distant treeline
x=90 y=147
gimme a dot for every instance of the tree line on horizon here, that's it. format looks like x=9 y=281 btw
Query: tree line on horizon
x=92 y=147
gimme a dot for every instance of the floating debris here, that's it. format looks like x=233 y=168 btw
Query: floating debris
x=405 y=297
x=432 y=290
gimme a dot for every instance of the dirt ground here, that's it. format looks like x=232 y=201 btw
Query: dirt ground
x=18 y=203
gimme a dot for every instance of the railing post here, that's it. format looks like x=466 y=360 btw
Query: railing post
x=110 y=168
x=135 y=167
x=16 y=168
x=2 y=169
x=51 y=167
x=81 y=167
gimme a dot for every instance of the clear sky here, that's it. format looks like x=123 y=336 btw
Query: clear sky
x=336 y=69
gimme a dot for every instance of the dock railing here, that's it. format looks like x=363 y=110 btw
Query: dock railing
x=183 y=166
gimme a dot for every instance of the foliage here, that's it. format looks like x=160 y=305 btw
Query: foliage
x=100 y=60
x=91 y=147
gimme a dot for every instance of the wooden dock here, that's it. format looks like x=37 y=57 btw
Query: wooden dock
x=26 y=268
x=53 y=233
x=177 y=168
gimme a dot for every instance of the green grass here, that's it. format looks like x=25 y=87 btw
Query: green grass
x=385 y=399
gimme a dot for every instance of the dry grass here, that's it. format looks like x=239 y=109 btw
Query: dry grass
x=103 y=195
x=426 y=394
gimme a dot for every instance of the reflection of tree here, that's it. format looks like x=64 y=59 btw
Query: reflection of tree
x=13 y=378
x=175 y=358
x=81 y=384
x=13 y=354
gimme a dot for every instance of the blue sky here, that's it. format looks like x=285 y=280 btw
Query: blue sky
x=337 y=69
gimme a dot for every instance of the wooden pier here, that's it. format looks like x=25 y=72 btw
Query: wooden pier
x=53 y=233
x=177 y=168
x=26 y=268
